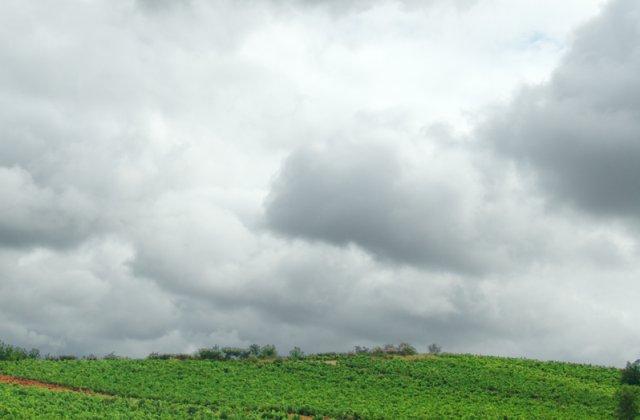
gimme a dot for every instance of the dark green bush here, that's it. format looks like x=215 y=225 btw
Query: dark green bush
x=9 y=352
x=403 y=349
x=254 y=350
x=112 y=356
x=169 y=356
x=61 y=357
x=406 y=349
x=268 y=351
x=234 y=353
x=211 y=353
x=296 y=353
x=627 y=403
x=434 y=349
x=631 y=374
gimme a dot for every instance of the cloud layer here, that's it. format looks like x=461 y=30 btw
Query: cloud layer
x=579 y=132
x=181 y=174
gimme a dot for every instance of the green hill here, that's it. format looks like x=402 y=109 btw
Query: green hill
x=444 y=386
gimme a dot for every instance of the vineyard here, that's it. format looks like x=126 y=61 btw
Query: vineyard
x=343 y=387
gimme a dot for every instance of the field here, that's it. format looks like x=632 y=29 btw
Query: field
x=444 y=386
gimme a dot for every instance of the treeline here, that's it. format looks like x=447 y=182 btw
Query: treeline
x=629 y=392
x=8 y=352
x=254 y=351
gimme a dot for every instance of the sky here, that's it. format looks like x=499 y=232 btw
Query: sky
x=322 y=174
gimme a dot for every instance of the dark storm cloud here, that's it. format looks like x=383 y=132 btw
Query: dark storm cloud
x=31 y=215
x=366 y=195
x=580 y=132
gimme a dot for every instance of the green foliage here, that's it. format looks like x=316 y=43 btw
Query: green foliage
x=402 y=349
x=112 y=356
x=211 y=353
x=358 y=386
x=434 y=349
x=235 y=353
x=8 y=352
x=296 y=353
x=228 y=353
x=254 y=350
x=627 y=397
x=31 y=403
x=169 y=356
x=406 y=349
x=268 y=351
x=631 y=374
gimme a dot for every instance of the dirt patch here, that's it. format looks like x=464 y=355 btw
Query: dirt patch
x=331 y=362
x=13 y=380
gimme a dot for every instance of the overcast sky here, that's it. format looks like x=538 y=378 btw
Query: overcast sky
x=178 y=174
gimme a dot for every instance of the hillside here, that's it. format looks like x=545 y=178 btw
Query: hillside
x=358 y=386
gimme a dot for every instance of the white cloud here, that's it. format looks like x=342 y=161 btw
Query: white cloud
x=140 y=141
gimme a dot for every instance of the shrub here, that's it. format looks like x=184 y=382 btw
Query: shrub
x=627 y=403
x=232 y=353
x=61 y=357
x=389 y=349
x=361 y=350
x=406 y=349
x=211 y=353
x=112 y=356
x=434 y=349
x=377 y=351
x=631 y=374
x=296 y=353
x=8 y=352
x=158 y=356
x=254 y=350
x=268 y=351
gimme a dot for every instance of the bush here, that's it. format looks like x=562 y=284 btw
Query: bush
x=627 y=403
x=361 y=350
x=403 y=349
x=406 y=349
x=112 y=356
x=211 y=353
x=268 y=352
x=631 y=374
x=389 y=349
x=434 y=349
x=232 y=353
x=254 y=350
x=8 y=352
x=296 y=353
x=169 y=356
x=60 y=358
x=377 y=351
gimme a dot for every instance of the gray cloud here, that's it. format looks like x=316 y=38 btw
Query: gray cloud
x=358 y=194
x=31 y=215
x=580 y=132
x=139 y=141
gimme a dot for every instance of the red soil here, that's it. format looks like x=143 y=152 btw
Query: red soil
x=6 y=379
